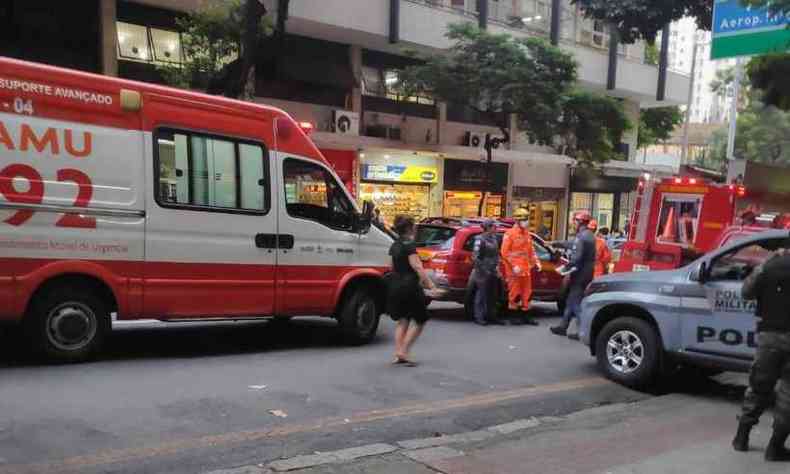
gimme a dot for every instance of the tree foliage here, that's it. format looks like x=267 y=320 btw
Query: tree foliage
x=643 y=19
x=763 y=135
x=591 y=126
x=657 y=124
x=769 y=74
x=220 y=43
x=497 y=76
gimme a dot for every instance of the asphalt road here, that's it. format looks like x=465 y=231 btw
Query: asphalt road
x=185 y=397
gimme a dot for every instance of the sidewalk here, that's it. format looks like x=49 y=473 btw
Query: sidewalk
x=668 y=434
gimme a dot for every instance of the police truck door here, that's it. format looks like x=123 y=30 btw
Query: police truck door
x=724 y=322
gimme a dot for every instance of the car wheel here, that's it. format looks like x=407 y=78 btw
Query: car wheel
x=628 y=352
x=68 y=324
x=359 y=317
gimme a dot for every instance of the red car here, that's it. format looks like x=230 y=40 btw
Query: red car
x=446 y=249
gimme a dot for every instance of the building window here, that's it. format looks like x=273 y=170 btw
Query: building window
x=387 y=83
x=216 y=173
x=150 y=45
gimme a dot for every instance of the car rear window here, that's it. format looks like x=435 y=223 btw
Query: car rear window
x=428 y=235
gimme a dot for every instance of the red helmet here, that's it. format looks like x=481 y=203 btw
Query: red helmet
x=582 y=216
x=593 y=225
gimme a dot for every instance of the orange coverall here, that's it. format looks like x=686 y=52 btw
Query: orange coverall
x=518 y=251
x=603 y=257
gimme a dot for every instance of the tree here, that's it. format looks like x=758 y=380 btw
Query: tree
x=590 y=127
x=499 y=76
x=643 y=19
x=769 y=74
x=221 y=44
x=657 y=124
x=763 y=135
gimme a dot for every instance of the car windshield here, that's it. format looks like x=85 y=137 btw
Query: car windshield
x=428 y=235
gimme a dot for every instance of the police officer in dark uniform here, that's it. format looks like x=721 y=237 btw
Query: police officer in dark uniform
x=486 y=272
x=582 y=271
x=769 y=284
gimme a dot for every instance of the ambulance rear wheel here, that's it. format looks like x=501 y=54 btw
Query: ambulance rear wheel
x=359 y=317
x=68 y=323
x=628 y=352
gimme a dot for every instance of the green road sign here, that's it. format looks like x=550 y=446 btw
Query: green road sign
x=746 y=31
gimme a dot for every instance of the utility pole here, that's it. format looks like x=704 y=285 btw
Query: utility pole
x=736 y=90
x=685 y=150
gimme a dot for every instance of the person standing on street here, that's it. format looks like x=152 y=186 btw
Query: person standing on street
x=406 y=300
x=769 y=284
x=603 y=257
x=581 y=270
x=519 y=258
x=486 y=272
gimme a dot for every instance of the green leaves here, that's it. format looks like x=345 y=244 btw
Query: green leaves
x=643 y=19
x=498 y=75
x=211 y=38
x=657 y=124
x=769 y=74
x=591 y=126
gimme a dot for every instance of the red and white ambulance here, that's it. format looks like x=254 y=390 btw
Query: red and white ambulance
x=123 y=200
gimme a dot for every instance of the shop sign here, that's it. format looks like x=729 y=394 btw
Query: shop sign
x=471 y=175
x=399 y=173
x=538 y=194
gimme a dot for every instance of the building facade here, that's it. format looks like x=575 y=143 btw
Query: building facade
x=338 y=63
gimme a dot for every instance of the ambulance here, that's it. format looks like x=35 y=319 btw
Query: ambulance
x=122 y=200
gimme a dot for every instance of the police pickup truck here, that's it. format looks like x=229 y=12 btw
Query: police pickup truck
x=638 y=325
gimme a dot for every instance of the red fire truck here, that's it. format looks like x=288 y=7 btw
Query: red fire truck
x=676 y=220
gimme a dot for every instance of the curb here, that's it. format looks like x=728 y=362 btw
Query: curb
x=422 y=450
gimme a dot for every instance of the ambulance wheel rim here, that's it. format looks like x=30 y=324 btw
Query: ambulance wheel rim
x=366 y=315
x=625 y=351
x=71 y=326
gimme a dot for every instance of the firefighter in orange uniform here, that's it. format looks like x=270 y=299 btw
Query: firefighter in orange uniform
x=603 y=257
x=519 y=258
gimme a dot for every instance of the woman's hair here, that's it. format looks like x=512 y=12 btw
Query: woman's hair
x=403 y=224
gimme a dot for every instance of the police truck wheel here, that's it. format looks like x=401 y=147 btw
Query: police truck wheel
x=628 y=352
x=68 y=324
x=359 y=318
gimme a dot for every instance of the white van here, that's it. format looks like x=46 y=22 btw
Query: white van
x=127 y=200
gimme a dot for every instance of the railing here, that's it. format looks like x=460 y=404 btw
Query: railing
x=533 y=17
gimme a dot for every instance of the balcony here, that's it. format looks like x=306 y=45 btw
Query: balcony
x=424 y=22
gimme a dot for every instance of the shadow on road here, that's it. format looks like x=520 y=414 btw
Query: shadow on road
x=197 y=340
x=458 y=315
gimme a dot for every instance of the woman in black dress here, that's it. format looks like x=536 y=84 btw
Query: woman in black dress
x=407 y=303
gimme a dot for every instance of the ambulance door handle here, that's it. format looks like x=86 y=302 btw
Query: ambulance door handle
x=285 y=241
x=266 y=241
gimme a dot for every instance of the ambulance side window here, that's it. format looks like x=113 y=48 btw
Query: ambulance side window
x=312 y=193
x=210 y=173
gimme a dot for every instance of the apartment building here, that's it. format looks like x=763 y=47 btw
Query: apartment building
x=407 y=154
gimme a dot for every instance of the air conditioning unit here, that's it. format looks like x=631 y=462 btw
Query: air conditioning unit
x=474 y=140
x=346 y=123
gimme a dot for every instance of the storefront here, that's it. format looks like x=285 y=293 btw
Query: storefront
x=544 y=206
x=609 y=199
x=540 y=186
x=398 y=184
x=465 y=182
x=346 y=164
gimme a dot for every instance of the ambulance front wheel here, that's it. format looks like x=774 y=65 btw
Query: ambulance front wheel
x=359 y=316
x=68 y=323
